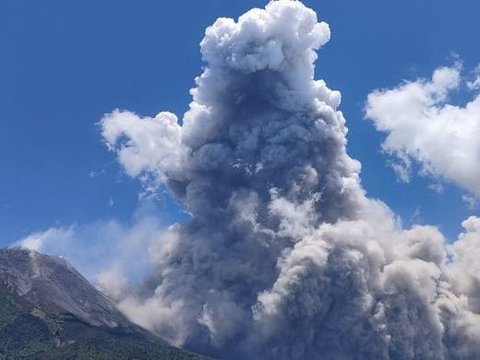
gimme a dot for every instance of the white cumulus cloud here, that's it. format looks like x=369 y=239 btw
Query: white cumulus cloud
x=424 y=126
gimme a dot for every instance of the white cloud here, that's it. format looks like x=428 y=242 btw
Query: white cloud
x=474 y=83
x=423 y=125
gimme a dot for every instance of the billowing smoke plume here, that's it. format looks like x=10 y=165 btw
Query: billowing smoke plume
x=284 y=256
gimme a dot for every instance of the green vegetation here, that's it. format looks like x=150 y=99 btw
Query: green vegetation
x=27 y=332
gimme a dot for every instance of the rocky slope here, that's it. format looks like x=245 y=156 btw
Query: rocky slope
x=48 y=310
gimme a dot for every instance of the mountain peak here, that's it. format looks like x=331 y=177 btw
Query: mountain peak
x=55 y=286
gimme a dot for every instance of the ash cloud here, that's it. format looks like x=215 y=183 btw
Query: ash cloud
x=284 y=256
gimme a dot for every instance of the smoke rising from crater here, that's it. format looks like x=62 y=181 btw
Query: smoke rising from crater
x=284 y=256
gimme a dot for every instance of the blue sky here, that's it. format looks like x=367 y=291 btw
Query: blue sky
x=65 y=64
